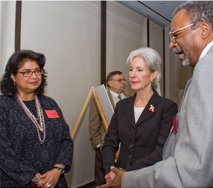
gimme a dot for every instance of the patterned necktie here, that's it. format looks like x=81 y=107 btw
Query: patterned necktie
x=119 y=96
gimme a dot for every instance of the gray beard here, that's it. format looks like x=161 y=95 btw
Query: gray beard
x=185 y=62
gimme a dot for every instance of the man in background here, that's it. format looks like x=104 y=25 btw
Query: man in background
x=188 y=159
x=116 y=85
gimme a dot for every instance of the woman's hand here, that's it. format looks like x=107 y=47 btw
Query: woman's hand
x=49 y=179
x=109 y=177
x=116 y=183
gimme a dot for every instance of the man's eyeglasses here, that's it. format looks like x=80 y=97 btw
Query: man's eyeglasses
x=173 y=34
x=120 y=80
x=29 y=73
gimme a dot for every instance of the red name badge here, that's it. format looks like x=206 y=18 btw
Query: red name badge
x=52 y=114
x=175 y=124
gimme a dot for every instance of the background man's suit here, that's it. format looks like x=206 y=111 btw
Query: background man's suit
x=97 y=137
x=97 y=134
x=188 y=154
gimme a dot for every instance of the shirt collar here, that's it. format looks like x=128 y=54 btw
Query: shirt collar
x=116 y=95
x=206 y=49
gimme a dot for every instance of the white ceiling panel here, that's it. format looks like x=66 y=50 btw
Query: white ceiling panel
x=159 y=11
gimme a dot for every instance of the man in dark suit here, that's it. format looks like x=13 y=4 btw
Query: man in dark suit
x=188 y=151
x=116 y=83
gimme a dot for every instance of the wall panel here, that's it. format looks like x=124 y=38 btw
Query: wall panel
x=157 y=43
x=126 y=31
x=7 y=31
x=68 y=33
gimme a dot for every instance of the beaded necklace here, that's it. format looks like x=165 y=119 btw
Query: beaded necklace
x=40 y=127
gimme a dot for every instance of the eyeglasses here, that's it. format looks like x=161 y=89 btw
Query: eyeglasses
x=29 y=73
x=120 y=80
x=172 y=33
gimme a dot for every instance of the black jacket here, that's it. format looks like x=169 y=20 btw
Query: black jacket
x=142 y=142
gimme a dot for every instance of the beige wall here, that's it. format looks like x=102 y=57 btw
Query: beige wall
x=156 y=42
x=125 y=32
x=7 y=31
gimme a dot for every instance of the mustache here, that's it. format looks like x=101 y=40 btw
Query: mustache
x=176 y=50
x=185 y=62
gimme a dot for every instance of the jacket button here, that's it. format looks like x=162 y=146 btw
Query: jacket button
x=131 y=145
x=130 y=156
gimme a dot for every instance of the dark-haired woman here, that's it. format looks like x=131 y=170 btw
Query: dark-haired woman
x=35 y=143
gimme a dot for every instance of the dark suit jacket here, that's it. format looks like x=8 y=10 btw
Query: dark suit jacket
x=142 y=142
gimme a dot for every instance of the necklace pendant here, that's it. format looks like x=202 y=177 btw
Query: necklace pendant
x=41 y=129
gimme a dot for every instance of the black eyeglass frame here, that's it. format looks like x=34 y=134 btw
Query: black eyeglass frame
x=120 y=80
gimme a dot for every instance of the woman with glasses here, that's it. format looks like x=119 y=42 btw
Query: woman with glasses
x=35 y=143
x=140 y=124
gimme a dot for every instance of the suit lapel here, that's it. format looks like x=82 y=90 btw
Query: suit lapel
x=111 y=99
x=185 y=90
x=184 y=94
x=130 y=111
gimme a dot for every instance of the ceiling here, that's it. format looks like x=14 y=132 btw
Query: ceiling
x=159 y=11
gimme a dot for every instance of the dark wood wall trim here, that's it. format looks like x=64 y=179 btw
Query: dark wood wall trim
x=103 y=41
x=18 y=26
x=148 y=34
x=164 y=64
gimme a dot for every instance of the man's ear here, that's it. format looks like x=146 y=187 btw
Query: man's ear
x=205 y=30
x=109 y=83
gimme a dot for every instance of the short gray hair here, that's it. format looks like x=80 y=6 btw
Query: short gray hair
x=198 y=11
x=152 y=60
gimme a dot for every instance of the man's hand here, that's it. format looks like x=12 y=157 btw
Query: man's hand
x=116 y=183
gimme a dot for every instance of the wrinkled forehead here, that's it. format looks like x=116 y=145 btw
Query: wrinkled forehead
x=180 y=19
